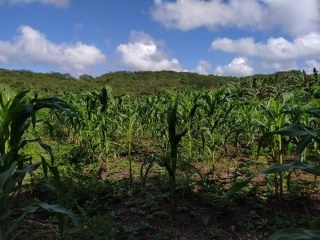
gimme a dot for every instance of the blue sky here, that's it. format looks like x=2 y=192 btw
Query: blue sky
x=234 y=37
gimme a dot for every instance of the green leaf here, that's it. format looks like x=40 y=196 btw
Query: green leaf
x=30 y=168
x=63 y=210
x=315 y=112
x=46 y=147
x=295 y=234
x=184 y=164
x=277 y=168
x=44 y=166
x=55 y=172
x=150 y=161
x=292 y=131
x=4 y=176
x=238 y=186
x=303 y=143
x=31 y=208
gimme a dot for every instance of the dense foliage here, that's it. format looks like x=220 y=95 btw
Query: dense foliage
x=121 y=82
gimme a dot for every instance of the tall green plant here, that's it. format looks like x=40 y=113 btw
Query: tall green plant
x=16 y=115
x=274 y=119
x=171 y=160
x=130 y=120
x=217 y=109
x=304 y=135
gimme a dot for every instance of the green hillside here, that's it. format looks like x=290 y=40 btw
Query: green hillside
x=121 y=82
x=142 y=82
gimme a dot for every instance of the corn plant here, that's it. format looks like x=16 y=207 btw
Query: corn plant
x=97 y=121
x=217 y=109
x=105 y=139
x=189 y=98
x=156 y=124
x=170 y=161
x=130 y=121
x=274 y=119
x=57 y=123
x=305 y=136
x=16 y=115
x=10 y=180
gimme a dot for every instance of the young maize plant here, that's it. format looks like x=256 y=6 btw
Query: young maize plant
x=305 y=136
x=189 y=98
x=171 y=161
x=16 y=115
x=130 y=121
x=217 y=109
x=275 y=110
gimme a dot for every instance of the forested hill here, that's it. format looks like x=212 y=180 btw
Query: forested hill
x=121 y=82
x=143 y=82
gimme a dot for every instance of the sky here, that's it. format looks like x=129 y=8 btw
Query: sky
x=221 y=37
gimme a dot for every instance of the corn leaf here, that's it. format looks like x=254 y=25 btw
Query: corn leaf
x=59 y=209
x=277 y=168
x=238 y=186
x=295 y=234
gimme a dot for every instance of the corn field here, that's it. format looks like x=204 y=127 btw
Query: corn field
x=259 y=136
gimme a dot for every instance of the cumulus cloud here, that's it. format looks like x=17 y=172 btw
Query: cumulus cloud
x=144 y=53
x=274 y=49
x=239 y=67
x=32 y=47
x=203 y=67
x=296 y=18
x=279 y=66
x=310 y=65
x=299 y=18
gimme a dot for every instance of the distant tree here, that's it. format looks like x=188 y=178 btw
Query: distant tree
x=61 y=76
x=86 y=77
x=68 y=76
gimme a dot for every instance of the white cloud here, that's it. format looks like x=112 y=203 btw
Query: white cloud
x=279 y=66
x=57 y=3
x=238 y=67
x=203 y=67
x=32 y=47
x=310 y=64
x=296 y=18
x=144 y=53
x=274 y=49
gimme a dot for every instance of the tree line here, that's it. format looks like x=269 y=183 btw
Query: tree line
x=121 y=82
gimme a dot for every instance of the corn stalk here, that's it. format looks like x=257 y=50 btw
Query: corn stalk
x=16 y=115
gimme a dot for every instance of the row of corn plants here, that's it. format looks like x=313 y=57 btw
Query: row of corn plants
x=236 y=116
